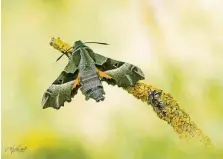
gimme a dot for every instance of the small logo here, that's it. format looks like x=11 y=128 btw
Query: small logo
x=14 y=148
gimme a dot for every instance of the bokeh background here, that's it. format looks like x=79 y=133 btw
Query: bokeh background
x=178 y=45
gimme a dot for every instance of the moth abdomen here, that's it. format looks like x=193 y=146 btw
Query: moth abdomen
x=96 y=93
x=92 y=87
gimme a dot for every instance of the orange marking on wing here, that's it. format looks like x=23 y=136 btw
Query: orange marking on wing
x=77 y=81
x=103 y=74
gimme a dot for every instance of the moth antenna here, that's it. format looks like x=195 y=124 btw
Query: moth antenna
x=98 y=43
x=65 y=53
x=59 y=57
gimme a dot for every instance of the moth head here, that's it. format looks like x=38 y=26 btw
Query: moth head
x=78 y=44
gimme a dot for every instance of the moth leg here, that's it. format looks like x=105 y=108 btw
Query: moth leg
x=103 y=74
x=77 y=81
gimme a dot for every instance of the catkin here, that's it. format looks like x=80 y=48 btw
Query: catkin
x=168 y=110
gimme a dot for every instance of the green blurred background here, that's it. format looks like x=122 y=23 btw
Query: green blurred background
x=178 y=45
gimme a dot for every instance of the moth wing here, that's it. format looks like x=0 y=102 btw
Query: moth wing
x=56 y=95
x=123 y=74
x=61 y=90
x=69 y=73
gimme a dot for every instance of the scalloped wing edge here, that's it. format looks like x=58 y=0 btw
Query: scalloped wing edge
x=56 y=95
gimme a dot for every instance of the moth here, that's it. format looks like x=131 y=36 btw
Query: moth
x=86 y=70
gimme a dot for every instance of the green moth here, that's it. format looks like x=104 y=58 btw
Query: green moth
x=85 y=71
